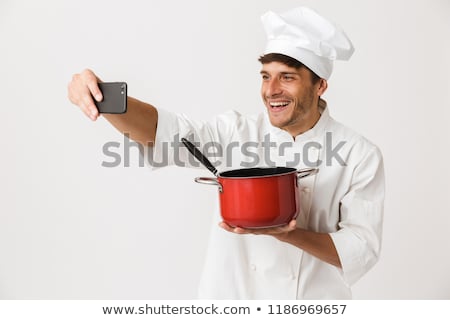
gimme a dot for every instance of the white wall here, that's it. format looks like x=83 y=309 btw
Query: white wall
x=70 y=228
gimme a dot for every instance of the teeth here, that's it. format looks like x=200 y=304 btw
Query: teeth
x=279 y=104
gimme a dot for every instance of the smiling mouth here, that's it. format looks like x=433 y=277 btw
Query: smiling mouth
x=278 y=105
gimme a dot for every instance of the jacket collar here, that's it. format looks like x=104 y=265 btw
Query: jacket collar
x=311 y=134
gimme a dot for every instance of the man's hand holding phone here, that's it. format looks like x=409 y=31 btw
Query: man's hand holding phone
x=94 y=97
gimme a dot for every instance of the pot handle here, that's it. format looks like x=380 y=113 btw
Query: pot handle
x=211 y=181
x=302 y=173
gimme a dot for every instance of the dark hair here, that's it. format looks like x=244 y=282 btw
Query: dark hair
x=290 y=62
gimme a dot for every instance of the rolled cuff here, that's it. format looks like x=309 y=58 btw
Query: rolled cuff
x=161 y=153
x=359 y=245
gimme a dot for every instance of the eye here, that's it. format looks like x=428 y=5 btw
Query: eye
x=265 y=77
x=288 y=77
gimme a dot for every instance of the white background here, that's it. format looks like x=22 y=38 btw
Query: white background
x=72 y=229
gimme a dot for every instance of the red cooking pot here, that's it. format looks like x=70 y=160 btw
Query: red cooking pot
x=258 y=197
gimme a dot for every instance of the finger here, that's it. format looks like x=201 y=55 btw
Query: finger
x=79 y=94
x=91 y=81
x=89 y=107
x=95 y=90
x=229 y=228
x=225 y=226
x=239 y=230
x=291 y=225
x=283 y=229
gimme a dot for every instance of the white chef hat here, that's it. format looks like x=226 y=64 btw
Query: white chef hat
x=306 y=36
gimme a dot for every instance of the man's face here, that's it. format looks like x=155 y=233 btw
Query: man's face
x=290 y=96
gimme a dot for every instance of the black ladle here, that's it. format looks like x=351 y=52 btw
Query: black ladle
x=199 y=155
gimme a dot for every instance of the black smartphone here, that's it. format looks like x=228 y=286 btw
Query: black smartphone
x=114 y=97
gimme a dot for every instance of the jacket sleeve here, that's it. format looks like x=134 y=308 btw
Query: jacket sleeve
x=208 y=136
x=358 y=239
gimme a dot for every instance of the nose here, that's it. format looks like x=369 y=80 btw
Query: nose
x=272 y=88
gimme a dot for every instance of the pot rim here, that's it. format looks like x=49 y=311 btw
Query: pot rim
x=290 y=171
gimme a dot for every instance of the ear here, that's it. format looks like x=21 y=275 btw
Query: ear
x=323 y=85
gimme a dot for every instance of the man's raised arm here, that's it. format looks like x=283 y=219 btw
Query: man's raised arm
x=139 y=122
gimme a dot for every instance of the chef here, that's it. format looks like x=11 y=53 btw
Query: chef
x=336 y=238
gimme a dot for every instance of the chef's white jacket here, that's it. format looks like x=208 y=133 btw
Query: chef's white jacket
x=345 y=199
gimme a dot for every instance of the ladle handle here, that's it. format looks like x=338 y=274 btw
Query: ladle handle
x=199 y=155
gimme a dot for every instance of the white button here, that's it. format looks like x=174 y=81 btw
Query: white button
x=253 y=267
x=306 y=190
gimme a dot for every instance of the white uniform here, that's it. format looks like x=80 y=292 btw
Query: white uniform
x=343 y=199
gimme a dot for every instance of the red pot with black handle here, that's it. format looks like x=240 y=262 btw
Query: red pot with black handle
x=258 y=197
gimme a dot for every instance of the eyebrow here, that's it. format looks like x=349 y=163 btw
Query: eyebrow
x=283 y=73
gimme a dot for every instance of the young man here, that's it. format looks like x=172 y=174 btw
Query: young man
x=336 y=238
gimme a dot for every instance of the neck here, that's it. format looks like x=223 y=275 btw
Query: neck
x=309 y=120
